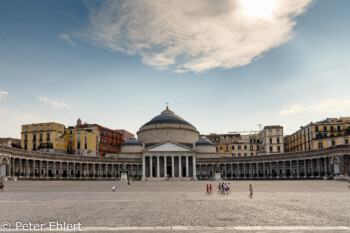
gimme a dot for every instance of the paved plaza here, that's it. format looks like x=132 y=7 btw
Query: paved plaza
x=181 y=206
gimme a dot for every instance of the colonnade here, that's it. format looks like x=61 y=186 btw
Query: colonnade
x=169 y=166
x=299 y=168
x=46 y=169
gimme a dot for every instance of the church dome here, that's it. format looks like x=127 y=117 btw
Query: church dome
x=132 y=145
x=167 y=117
x=205 y=146
x=132 y=142
x=168 y=127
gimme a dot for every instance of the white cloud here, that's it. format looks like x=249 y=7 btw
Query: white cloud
x=54 y=103
x=195 y=35
x=326 y=106
x=3 y=93
x=67 y=38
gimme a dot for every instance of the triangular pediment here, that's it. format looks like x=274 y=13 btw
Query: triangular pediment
x=168 y=146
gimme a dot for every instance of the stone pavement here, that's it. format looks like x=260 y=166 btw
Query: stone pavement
x=277 y=206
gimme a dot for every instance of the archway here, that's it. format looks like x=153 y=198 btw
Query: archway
x=335 y=163
x=4 y=165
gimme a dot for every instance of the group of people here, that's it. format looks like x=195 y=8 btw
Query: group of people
x=224 y=188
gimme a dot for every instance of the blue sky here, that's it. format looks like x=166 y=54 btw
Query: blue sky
x=61 y=60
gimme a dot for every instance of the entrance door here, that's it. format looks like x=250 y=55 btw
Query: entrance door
x=336 y=168
x=3 y=170
x=168 y=170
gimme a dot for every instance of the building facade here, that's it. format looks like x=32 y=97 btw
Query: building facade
x=323 y=134
x=168 y=147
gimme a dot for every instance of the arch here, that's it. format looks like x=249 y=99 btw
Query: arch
x=5 y=158
x=335 y=162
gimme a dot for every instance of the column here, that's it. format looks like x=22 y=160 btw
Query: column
x=27 y=168
x=40 y=168
x=277 y=170
x=180 y=168
x=47 y=169
x=291 y=169
x=187 y=170
x=270 y=169
x=244 y=176
x=319 y=167
x=158 y=167
x=54 y=170
x=312 y=170
x=81 y=170
x=257 y=170
x=93 y=171
x=305 y=168
x=165 y=167
x=284 y=169
x=172 y=167
x=200 y=171
x=195 y=168
x=298 y=172
x=150 y=166
x=74 y=171
x=20 y=167
x=231 y=170
x=325 y=166
x=61 y=171
x=263 y=169
x=225 y=170
x=144 y=168
x=33 y=161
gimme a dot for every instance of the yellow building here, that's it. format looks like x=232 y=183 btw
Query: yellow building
x=323 y=134
x=46 y=136
x=82 y=141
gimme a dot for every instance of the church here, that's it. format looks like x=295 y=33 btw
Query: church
x=168 y=146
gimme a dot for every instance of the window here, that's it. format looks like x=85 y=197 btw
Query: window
x=96 y=139
x=25 y=137
x=277 y=131
x=251 y=147
x=257 y=147
x=239 y=154
x=278 y=140
x=226 y=147
x=26 y=129
x=34 y=137
x=339 y=128
x=245 y=154
x=278 y=148
x=320 y=145
x=333 y=143
x=271 y=149
x=316 y=128
x=85 y=137
x=233 y=154
x=78 y=145
x=48 y=137
x=233 y=147
x=270 y=132
x=251 y=140
x=85 y=146
x=332 y=128
x=251 y=154
x=325 y=128
x=34 y=128
x=346 y=141
x=78 y=136
x=239 y=147
x=270 y=140
x=245 y=147
x=34 y=146
x=220 y=147
x=25 y=146
x=41 y=127
x=59 y=129
x=48 y=127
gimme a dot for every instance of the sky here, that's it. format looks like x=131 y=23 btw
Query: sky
x=222 y=67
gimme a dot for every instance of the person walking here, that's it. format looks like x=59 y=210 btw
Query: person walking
x=207 y=193
x=2 y=186
x=229 y=187
x=211 y=189
x=128 y=183
x=251 y=191
x=219 y=188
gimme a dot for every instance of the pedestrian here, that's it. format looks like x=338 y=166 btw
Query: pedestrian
x=207 y=189
x=2 y=186
x=114 y=188
x=128 y=183
x=219 y=188
x=211 y=189
x=229 y=187
x=251 y=191
x=223 y=188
